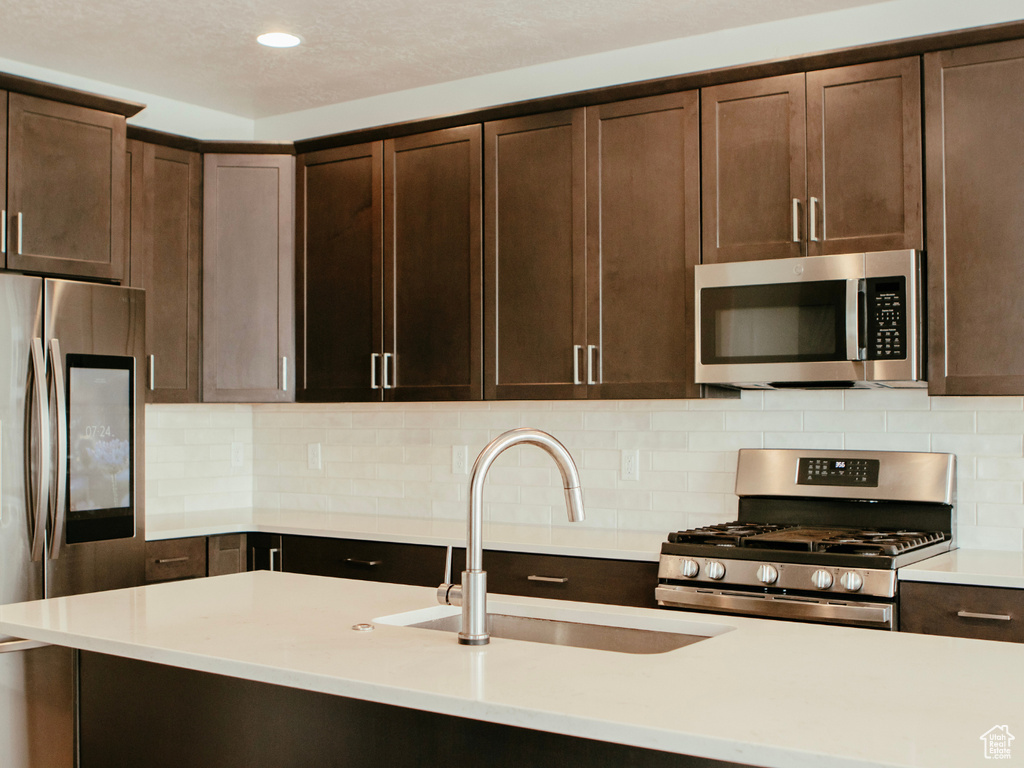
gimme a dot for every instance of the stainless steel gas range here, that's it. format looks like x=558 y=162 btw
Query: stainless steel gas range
x=819 y=537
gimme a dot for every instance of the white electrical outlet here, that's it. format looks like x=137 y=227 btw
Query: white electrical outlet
x=631 y=464
x=313 y=458
x=460 y=460
x=237 y=455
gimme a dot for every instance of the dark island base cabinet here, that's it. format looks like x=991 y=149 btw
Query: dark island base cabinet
x=138 y=713
x=956 y=610
x=557 y=577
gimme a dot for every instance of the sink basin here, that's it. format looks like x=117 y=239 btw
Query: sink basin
x=560 y=630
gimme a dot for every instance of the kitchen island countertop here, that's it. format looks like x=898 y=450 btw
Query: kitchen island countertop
x=759 y=692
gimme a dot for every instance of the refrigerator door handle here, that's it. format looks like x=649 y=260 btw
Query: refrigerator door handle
x=41 y=487
x=60 y=399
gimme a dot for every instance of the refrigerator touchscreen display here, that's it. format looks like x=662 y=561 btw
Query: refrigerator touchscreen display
x=100 y=448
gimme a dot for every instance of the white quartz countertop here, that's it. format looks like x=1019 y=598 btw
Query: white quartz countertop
x=159 y=527
x=975 y=567
x=758 y=692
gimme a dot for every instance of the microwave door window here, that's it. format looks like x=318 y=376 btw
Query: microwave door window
x=785 y=323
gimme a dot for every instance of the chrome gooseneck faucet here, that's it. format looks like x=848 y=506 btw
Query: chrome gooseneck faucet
x=473 y=594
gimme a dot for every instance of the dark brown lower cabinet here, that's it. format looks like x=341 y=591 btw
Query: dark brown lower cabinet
x=957 y=610
x=556 y=577
x=137 y=713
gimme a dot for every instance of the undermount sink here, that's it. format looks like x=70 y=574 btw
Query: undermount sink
x=563 y=631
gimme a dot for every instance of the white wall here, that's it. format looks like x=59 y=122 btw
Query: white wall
x=387 y=467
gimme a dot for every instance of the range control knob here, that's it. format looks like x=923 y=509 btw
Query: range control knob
x=689 y=568
x=715 y=570
x=767 y=574
x=821 y=579
x=851 y=581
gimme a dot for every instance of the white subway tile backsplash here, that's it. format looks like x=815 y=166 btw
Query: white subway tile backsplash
x=387 y=466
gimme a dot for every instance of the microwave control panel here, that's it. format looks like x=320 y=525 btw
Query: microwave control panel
x=886 y=304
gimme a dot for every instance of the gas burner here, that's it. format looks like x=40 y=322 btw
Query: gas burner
x=723 y=534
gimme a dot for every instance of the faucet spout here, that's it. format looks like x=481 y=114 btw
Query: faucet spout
x=474 y=578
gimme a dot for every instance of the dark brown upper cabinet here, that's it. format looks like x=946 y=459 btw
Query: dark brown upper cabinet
x=828 y=162
x=65 y=211
x=643 y=241
x=432 y=267
x=592 y=232
x=974 y=113
x=165 y=215
x=340 y=250
x=389 y=270
x=535 y=257
x=248 y=278
x=3 y=177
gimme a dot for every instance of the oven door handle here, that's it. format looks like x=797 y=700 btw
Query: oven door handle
x=776 y=606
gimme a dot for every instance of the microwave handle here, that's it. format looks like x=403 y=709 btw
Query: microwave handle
x=855 y=350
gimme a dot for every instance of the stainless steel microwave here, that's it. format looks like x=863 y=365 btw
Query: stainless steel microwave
x=849 y=320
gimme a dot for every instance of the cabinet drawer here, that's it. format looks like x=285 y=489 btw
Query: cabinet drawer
x=985 y=613
x=175 y=559
x=419 y=564
x=586 y=579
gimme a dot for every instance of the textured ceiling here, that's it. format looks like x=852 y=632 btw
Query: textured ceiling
x=204 y=51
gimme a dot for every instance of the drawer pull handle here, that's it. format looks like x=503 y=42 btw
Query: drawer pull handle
x=988 y=616
x=169 y=560
x=549 y=579
x=363 y=563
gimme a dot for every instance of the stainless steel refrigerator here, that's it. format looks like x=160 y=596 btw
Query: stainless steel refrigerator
x=72 y=495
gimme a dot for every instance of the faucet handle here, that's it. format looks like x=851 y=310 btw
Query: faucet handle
x=448 y=593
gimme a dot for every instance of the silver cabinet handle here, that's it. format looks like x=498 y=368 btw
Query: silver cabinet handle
x=549 y=579
x=152 y=372
x=986 y=616
x=42 y=486
x=284 y=373
x=374 y=356
x=796 y=219
x=3 y=231
x=385 y=376
x=170 y=560
x=814 y=220
x=362 y=563
x=590 y=363
x=576 y=349
x=273 y=557
x=59 y=396
x=21 y=230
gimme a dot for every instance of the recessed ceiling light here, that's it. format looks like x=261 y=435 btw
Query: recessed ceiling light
x=278 y=40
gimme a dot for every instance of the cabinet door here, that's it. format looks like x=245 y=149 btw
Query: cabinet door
x=433 y=265
x=535 y=262
x=3 y=178
x=166 y=214
x=248 y=278
x=225 y=554
x=65 y=189
x=754 y=160
x=864 y=158
x=643 y=240
x=339 y=239
x=974 y=113
x=957 y=610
